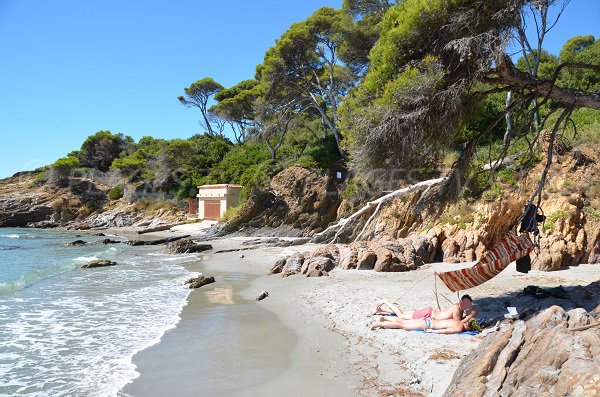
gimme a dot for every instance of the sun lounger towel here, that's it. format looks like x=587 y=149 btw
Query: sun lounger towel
x=459 y=333
x=509 y=249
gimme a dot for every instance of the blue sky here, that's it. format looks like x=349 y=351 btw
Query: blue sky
x=70 y=68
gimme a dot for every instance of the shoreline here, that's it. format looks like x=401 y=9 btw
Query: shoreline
x=286 y=348
x=323 y=326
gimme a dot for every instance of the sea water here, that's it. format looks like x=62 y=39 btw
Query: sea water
x=67 y=331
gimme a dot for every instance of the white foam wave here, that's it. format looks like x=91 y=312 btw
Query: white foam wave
x=17 y=236
x=84 y=258
x=79 y=336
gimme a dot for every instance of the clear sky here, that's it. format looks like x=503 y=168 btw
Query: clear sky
x=70 y=68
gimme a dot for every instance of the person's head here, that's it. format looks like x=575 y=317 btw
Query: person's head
x=465 y=302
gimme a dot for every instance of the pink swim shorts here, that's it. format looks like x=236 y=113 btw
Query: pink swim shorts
x=422 y=313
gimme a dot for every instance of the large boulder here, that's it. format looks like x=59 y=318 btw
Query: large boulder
x=594 y=256
x=545 y=356
x=200 y=281
x=186 y=246
x=297 y=198
x=385 y=255
x=293 y=265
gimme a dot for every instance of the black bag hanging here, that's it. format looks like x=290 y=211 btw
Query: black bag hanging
x=524 y=264
x=530 y=220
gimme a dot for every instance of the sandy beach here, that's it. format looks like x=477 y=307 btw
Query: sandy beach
x=311 y=336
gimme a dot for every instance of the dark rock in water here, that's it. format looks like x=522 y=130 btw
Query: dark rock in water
x=75 y=243
x=98 y=263
x=197 y=282
x=109 y=241
x=186 y=246
x=135 y=243
x=101 y=234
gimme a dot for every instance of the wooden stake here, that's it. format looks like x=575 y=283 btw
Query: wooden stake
x=436 y=292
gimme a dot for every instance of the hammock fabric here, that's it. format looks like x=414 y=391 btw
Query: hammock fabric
x=509 y=249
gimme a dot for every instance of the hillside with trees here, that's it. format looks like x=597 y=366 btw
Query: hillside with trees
x=390 y=92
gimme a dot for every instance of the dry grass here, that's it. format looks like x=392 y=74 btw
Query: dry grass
x=444 y=354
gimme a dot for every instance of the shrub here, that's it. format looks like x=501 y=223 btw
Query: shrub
x=116 y=192
x=550 y=222
x=230 y=213
x=459 y=214
x=494 y=193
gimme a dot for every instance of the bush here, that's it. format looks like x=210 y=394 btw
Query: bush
x=116 y=192
x=230 y=213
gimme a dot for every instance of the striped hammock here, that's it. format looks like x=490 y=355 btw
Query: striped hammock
x=508 y=250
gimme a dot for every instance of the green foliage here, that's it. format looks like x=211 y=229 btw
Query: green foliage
x=361 y=33
x=40 y=179
x=581 y=50
x=66 y=163
x=303 y=68
x=101 y=149
x=236 y=105
x=355 y=189
x=249 y=165
x=574 y=46
x=116 y=192
x=494 y=193
x=128 y=164
x=197 y=95
x=594 y=214
x=550 y=223
x=547 y=64
x=459 y=214
x=230 y=213
x=507 y=176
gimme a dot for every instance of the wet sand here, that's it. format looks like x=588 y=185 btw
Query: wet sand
x=228 y=344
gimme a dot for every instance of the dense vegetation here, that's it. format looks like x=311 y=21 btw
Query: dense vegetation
x=396 y=90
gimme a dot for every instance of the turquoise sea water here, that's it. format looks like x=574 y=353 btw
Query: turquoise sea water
x=67 y=331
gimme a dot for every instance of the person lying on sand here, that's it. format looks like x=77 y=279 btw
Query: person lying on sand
x=454 y=312
x=425 y=324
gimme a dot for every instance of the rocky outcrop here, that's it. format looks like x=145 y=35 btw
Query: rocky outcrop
x=297 y=198
x=98 y=263
x=20 y=210
x=549 y=355
x=186 y=246
x=386 y=255
x=200 y=281
x=159 y=241
x=594 y=256
x=76 y=243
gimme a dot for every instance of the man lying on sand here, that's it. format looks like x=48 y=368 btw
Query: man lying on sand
x=425 y=324
x=454 y=312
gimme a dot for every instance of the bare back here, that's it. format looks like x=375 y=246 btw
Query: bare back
x=454 y=312
x=448 y=326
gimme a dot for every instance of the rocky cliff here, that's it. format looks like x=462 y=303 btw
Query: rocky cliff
x=465 y=230
x=77 y=203
x=297 y=198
